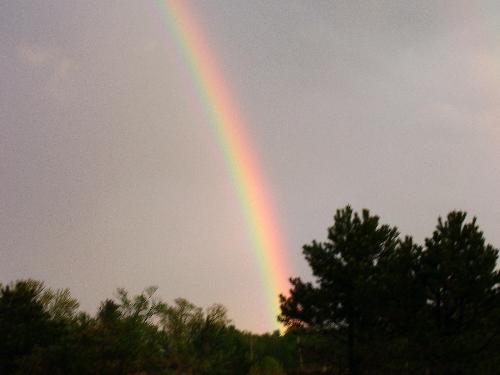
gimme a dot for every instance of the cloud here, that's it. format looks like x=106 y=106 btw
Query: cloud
x=59 y=68
x=64 y=67
x=34 y=55
x=37 y=56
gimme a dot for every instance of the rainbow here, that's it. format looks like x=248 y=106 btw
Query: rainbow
x=235 y=144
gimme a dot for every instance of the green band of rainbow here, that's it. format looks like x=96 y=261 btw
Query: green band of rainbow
x=235 y=144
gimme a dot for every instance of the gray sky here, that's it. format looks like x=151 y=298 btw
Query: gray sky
x=110 y=175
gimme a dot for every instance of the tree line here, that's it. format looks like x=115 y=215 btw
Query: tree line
x=43 y=332
x=378 y=303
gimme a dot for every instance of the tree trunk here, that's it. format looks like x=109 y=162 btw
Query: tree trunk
x=354 y=368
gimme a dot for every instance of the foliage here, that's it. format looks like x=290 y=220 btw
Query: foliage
x=347 y=268
x=25 y=325
x=462 y=291
x=388 y=305
x=42 y=332
x=267 y=366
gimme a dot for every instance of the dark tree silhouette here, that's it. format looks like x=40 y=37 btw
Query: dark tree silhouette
x=345 y=297
x=397 y=307
x=461 y=285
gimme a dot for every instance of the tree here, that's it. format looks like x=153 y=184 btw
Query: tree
x=196 y=337
x=35 y=323
x=401 y=309
x=23 y=323
x=126 y=338
x=344 y=298
x=462 y=291
x=59 y=304
x=432 y=310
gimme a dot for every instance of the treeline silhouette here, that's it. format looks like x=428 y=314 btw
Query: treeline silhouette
x=42 y=332
x=378 y=304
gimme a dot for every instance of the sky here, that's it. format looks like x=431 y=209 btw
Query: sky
x=111 y=177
